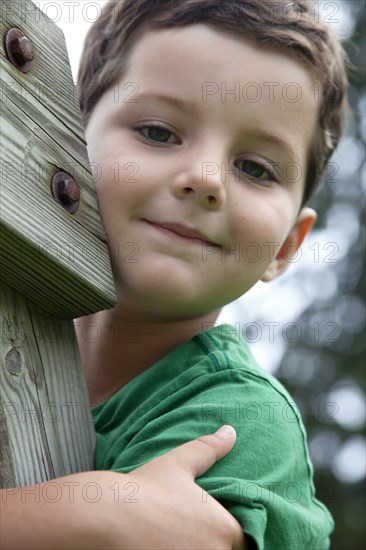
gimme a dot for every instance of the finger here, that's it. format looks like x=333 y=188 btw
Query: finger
x=197 y=456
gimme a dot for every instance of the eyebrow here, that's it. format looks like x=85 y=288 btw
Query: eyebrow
x=185 y=105
x=182 y=104
x=276 y=140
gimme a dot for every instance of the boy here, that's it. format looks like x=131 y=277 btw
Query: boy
x=205 y=172
x=220 y=118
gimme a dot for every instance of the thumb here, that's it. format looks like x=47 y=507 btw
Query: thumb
x=197 y=456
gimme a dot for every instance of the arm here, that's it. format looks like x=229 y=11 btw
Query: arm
x=95 y=510
x=265 y=482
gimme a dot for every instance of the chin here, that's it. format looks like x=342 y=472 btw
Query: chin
x=165 y=279
x=156 y=302
x=170 y=289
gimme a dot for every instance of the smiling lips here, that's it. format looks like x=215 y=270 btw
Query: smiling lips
x=182 y=232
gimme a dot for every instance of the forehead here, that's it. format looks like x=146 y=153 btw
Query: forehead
x=202 y=53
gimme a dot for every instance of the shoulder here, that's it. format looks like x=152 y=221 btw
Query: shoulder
x=237 y=391
x=232 y=371
x=267 y=477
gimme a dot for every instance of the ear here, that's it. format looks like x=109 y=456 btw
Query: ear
x=289 y=248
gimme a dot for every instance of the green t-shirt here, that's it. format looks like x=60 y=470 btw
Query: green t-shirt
x=266 y=479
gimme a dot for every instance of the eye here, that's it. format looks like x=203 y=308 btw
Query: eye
x=157 y=133
x=255 y=170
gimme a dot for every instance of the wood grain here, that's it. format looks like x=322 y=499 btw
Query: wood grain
x=59 y=259
x=46 y=424
x=54 y=266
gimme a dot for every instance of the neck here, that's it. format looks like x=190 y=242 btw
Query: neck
x=114 y=349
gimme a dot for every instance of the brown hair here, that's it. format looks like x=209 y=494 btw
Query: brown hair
x=293 y=26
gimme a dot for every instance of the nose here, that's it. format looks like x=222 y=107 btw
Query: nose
x=202 y=180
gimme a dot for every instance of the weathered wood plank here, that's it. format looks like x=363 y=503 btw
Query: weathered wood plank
x=54 y=266
x=46 y=426
x=50 y=80
x=59 y=259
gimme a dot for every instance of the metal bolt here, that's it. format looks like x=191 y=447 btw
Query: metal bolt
x=66 y=191
x=19 y=50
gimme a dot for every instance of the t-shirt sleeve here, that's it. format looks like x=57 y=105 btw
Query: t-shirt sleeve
x=266 y=479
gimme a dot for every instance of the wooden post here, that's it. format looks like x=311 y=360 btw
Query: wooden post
x=54 y=264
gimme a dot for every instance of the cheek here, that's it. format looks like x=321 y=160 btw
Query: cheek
x=261 y=231
x=258 y=225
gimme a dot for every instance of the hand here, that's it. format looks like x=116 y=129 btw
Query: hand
x=171 y=512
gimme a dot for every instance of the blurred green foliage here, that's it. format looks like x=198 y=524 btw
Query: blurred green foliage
x=337 y=368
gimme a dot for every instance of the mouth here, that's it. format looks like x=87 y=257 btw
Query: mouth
x=181 y=232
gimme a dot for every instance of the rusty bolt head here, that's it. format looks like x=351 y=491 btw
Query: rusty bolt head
x=19 y=50
x=66 y=191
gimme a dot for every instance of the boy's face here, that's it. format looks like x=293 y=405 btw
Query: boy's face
x=195 y=212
